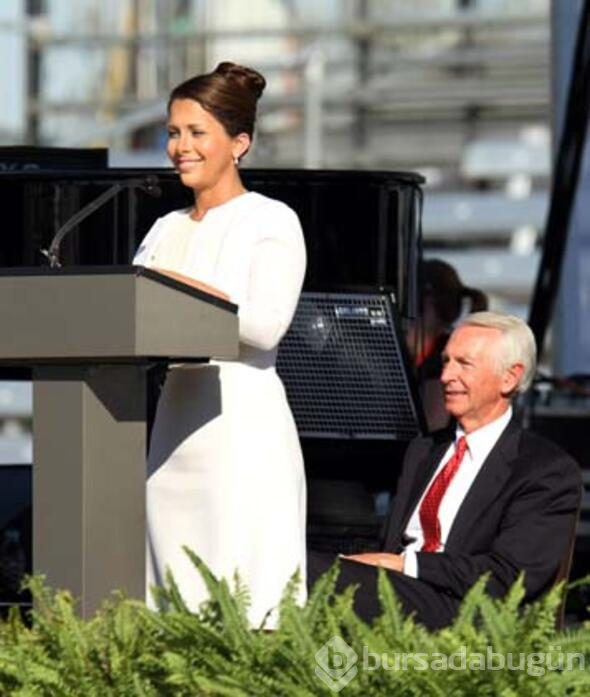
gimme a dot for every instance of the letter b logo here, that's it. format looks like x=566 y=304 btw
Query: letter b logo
x=336 y=663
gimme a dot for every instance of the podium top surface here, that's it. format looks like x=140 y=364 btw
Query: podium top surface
x=110 y=314
x=138 y=271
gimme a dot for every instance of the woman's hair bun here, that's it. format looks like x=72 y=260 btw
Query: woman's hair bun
x=248 y=78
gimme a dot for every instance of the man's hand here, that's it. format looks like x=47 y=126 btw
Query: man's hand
x=393 y=562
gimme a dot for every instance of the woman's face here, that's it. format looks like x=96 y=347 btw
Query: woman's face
x=200 y=148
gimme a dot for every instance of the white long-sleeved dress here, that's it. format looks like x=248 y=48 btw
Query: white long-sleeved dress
x=225 y=470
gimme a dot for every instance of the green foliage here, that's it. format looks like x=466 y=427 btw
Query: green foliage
x=126 y=649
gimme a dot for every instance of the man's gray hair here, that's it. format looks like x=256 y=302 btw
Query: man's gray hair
x=518 y=342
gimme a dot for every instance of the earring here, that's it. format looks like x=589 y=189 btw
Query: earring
x=236 y=160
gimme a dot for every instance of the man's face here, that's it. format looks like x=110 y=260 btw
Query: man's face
x=476 y=390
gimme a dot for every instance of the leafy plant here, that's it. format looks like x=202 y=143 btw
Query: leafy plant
x=129 y=650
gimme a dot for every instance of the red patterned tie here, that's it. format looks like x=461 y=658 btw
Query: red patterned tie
x=431 y=502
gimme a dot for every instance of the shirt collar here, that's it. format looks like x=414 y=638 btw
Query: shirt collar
x=482 y=440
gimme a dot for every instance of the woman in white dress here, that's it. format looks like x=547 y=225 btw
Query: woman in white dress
x=225 y=470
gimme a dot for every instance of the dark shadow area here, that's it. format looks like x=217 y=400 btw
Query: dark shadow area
x=15 y=535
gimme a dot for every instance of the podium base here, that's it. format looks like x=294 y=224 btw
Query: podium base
x=89 y=455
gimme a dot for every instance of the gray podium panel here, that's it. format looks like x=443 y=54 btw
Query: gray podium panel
x=194 y=328
x=88 y=480
x=104 y=316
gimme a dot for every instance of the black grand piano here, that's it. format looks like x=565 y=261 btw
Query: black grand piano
x=361 y=228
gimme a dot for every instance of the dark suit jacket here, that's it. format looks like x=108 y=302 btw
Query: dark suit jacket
x=518 y=515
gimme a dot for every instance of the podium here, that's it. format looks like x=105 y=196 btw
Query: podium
x=89 y=334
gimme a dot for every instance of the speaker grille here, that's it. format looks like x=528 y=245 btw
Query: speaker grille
x=342 y=366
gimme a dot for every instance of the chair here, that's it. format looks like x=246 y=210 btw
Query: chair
x=563 y=571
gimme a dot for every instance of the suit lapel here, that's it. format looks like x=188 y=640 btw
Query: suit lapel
x=423 y=475
x=487 y=485
x=423 y=472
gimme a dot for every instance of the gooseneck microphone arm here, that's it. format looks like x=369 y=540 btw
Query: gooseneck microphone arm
x=148 y=184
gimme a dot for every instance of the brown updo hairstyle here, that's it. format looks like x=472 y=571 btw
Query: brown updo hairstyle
x=442 y=284
x=230 y=93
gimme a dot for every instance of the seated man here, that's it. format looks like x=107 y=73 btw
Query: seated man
x=485 y=497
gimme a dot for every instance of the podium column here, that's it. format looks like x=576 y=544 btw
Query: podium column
x=89 y=471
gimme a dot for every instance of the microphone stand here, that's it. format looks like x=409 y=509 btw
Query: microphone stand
x=148 y=184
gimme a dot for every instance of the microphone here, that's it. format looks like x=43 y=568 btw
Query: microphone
x=149 y=184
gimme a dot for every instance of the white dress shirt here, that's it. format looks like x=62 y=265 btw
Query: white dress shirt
x=479 y=445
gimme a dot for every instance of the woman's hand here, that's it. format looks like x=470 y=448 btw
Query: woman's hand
x=193 y=282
